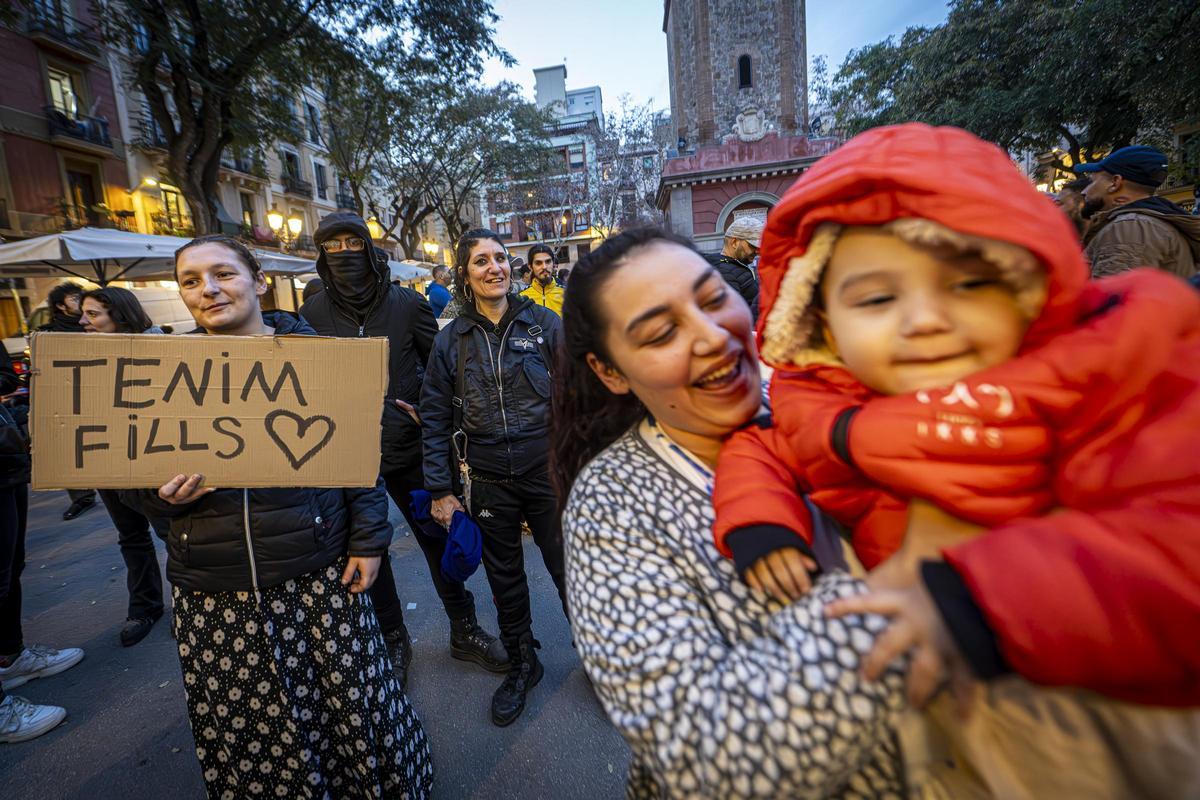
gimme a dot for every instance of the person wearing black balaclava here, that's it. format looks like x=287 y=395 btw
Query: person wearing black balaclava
x=359 y=300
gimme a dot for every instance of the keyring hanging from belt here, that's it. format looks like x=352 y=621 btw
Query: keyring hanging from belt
x=464 y=469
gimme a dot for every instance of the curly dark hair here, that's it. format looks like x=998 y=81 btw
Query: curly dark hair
x=585 y=417
x=123 y=307
x=244 y=253
x=462 y=254
x=60 y=293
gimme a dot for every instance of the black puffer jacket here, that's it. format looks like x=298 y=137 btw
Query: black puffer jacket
x=740 y=277
x=242 y=539
x=14 y=452
x=14 y=447
x=506 y=382
x=400 y=314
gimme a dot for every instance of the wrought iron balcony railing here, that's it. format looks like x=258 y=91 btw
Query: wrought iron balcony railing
x=81 y=126
x=294 y=185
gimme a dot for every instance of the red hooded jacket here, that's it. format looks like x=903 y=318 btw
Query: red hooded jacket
x=1091 y=493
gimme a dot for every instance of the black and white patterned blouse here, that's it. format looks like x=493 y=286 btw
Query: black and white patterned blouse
x=720 y=691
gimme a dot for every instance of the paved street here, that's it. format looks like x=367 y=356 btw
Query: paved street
x=126 y=734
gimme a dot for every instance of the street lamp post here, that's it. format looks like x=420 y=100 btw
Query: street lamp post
x=431 y=250
x=287 y=231
x=375 y=229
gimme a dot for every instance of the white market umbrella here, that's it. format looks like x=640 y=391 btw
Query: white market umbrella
x=97 y=255
x=409 y=269
x=104 y=255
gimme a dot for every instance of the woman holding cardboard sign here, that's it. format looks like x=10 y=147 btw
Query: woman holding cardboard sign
x=289 y=689
x=487 y=397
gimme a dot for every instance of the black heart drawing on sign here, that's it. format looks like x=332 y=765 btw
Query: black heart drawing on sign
x=302 y=426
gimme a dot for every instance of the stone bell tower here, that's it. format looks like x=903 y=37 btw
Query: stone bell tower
x=737 y=68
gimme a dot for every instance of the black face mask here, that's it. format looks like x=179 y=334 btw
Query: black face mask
x=353 y=277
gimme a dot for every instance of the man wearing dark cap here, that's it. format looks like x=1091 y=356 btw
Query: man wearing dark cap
x=1130 y=227
x=742 y=239
x=360 y=300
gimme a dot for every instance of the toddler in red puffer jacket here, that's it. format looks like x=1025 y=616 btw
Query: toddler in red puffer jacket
x=1016 y=445
x=938 y=347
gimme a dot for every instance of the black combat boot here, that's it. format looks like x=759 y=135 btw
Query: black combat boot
x=470 y=642
x=509 y=700
x=399 y=648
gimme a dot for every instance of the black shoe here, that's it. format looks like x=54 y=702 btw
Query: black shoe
x=470 y=642
x=136 y=628
x=399 y=647
x=509 y=700
x=78 y=507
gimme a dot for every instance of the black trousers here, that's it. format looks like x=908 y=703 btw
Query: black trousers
x=14 y=511
x=499 y=507
x=142 y=575
x=456 y=599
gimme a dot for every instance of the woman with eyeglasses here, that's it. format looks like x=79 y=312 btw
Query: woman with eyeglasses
x=359 y=300
x=485 y=408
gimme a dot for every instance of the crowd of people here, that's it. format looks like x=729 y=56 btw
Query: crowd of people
x=948 y=551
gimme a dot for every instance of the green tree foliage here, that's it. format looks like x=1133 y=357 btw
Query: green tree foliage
x=227 y=73
x=480 y=137
x=1034 y=74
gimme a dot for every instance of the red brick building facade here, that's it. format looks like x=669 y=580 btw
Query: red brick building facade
x=739 y=110
x=62 y=151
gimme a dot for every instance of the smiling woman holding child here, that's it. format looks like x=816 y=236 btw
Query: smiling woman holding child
x=289 y=688
x=723 y=687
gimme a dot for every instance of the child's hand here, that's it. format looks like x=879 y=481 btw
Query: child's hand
x=782 y=574
x=917 y=628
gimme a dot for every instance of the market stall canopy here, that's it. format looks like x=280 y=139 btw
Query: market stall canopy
x=104 y=255
x=403 y=271
x=410 y=269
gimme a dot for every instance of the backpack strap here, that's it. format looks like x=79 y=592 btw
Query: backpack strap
x=460 y=383
x=543 y=348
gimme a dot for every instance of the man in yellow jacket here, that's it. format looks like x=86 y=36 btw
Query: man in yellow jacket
x=542 y=289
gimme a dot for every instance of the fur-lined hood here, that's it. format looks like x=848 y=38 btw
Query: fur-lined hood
x=928 y=185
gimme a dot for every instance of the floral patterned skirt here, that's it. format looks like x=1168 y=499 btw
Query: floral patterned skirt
x=292 y=695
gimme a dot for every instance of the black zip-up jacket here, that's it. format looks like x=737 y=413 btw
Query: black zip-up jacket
x=740 y=277
x=506 y=394
x=247 y=539
x=400 y=314
x=14 y=447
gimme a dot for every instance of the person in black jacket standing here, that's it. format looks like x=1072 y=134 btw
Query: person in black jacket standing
x=487 y=399
x=741 y=248
x=20 y=720
x=359 y=300
x=65 y=301
x=288 y=683
x=116 y=310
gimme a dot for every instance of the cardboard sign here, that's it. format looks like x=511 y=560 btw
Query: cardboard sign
x=123 y=411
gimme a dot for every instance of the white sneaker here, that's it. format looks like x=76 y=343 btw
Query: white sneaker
x=21 y=720
x=38 y=661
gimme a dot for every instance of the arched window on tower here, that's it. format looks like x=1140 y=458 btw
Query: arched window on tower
x=745 y=73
